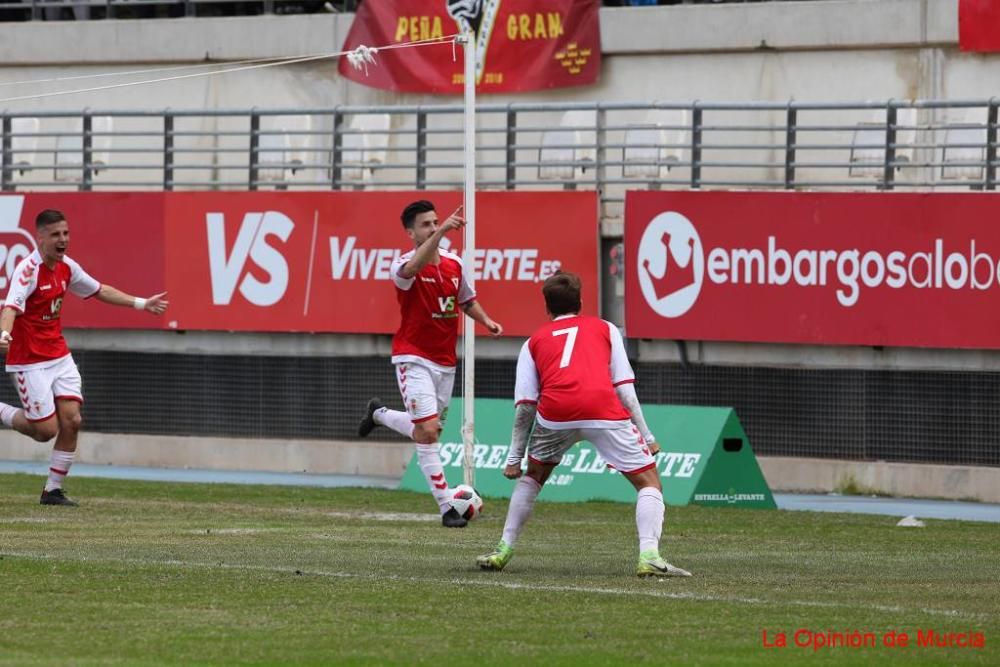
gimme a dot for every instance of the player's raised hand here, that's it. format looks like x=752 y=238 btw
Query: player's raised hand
x=512 y=471
x=494 y=328
x=157 y=303
x=453 y=221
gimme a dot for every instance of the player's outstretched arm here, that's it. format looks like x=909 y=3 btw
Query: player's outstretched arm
x=6 y=324
x=476 y=312
x=524 y=418
x=155 y=304
x=630 y=401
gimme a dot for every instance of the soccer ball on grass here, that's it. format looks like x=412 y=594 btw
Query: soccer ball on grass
x=466 y=501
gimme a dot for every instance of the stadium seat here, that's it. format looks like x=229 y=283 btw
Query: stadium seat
x=23 y=145
x=963 y=155
x=868 y=143
x=364 y=148
x=69 y=149
x=567 y=153
x=285 y=146
x=652 y=148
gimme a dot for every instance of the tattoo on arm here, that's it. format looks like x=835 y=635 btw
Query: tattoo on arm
x=524 y=419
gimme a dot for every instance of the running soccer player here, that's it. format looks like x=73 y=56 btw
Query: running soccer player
x=432 y=290
x=574 y=382
x=38 y=360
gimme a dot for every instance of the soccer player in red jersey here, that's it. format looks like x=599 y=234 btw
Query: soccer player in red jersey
x=38 y=360
x=432 y=290
x=574 y=382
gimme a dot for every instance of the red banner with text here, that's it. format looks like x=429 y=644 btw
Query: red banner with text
x=521 y=45
x=879 y=269
x=307 y=262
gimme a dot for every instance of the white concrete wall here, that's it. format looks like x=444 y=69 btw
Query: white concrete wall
x=835 y=50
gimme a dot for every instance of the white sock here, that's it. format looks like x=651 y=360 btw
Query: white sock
x=522 y=501
x=7 y=413
x=396 y=420
x=649 y=518
x=430 y=464
x=59 y=464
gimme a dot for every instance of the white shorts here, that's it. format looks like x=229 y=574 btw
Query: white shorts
x=426 y=391
x=40 y=388
x=621 y=447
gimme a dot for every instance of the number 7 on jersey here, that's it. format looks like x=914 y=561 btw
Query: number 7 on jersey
x=570 y=333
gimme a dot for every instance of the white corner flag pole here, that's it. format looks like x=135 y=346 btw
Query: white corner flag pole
x=468 y=39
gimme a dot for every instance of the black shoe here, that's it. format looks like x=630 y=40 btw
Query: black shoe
x=452 y=519
x=56 y=497
x=368 y=424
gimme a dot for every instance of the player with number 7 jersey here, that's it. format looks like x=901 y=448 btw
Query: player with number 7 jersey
x=572 y=358
x=574 y=382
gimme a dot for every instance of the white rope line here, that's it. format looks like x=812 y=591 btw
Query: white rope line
x=172 y=68
x=287 y=61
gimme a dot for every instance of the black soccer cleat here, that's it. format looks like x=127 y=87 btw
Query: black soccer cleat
x=56 y=497
x=452 y=519
x=368 y=424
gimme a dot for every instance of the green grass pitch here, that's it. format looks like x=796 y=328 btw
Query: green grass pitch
x=182 y=574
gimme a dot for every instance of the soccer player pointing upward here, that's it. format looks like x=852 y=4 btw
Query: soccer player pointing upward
x=574 y=382
x=432 y=292
x=39 y=362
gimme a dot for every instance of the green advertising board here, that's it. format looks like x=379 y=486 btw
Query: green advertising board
x=706 y=459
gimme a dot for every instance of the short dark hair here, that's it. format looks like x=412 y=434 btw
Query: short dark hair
x=411 y=212
x=562 y=293
x=48 y=217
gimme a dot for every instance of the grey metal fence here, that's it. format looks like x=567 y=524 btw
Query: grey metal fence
x=611 y=147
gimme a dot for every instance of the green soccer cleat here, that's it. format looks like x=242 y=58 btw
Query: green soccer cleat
x=652 y=565
x=497 y=560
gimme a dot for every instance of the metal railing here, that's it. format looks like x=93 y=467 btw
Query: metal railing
x=611 y=147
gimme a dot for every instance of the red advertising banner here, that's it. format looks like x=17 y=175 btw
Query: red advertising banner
x=521 y=45
x=880 y=269
x=320 y=261
x=310 y=261
x=979 y=25
x=116 y=237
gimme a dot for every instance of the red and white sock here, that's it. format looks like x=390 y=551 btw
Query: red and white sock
x=522 y=501
x=429 y=461
x=649 y=518
x=7 y=413
x=396 y=420
x=59 y=464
